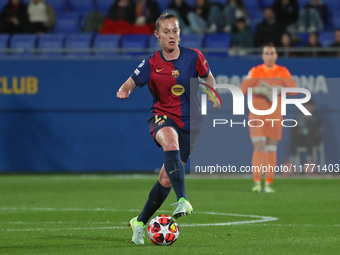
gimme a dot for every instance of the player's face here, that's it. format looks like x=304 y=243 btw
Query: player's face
x=285 y=40
x=313 y=40
x=269 y=56
x=168 y=34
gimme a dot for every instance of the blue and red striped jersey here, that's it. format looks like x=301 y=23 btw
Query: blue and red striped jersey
x=169 y=84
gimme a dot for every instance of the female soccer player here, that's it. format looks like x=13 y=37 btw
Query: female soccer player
x=168 y=73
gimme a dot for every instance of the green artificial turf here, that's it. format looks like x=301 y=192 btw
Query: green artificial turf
x=77 y=214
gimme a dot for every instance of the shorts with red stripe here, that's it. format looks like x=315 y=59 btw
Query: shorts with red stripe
x=187 y=140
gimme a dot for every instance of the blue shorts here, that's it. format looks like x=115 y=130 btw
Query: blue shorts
x=187 y=140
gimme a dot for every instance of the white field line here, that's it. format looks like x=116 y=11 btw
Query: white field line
x=259 y=219
x=62 y=222
x=182 y=225
x=188 y=225
x=64 y=209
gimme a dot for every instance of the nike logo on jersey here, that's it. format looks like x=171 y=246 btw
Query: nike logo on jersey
x=159 y=70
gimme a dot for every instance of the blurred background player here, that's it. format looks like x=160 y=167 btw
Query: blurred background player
x=168 y=73
x=308 y=134
x=265 y=138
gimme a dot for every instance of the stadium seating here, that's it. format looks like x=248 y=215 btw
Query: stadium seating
x=82 y=5
x=58 y=5
x=133 y=41
x=252 y=5
x=302 y=3
x=67 y=23
x=332 y=4
x=190 y=2
x=3 y=44
x=326 y=38
x=304 y=39
x=192 y=41
x=51 y=41
x=104 y=5
x=107 y=42
x=71 y=13
x=336 y=19
x=266 y=3
x=163 y=4
x=2 y=4
x=221 y=2
x=23 y=42
x=153 y=42
x=256 y=17
x=81 y=41
x=221 y=41
x=333 y=13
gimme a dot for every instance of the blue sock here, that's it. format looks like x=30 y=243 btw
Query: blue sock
x=157 y=196
x=175 y=170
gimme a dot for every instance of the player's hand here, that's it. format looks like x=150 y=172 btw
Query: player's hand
x=270 y=88
x=259 y=90
x=264 y=89
x=278 y=89
x=122 y=94
x=265 y=85
x=217 y=104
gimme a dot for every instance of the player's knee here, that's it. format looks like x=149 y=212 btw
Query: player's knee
x=271 y=148
x=165 y=181
x=260 y=147
x=170 y=145
x=259 y=144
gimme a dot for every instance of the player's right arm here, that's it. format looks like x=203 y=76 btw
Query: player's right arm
x=289 y=81
x=258 y=87
x=140 y=77
x=127 y=87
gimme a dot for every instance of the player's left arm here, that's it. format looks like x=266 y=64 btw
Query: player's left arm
x=211 y=82
x=203 y=71
x=289 y=81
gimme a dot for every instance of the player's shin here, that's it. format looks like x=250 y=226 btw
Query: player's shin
x=271 y=159
x=157 y=196
x=257 y=164
x=270 y=164
x=175 y=170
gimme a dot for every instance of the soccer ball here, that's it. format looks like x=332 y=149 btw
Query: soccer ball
x=163 y=230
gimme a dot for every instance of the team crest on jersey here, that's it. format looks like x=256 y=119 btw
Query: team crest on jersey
x=161 y=122
x=175 y=74
x=177 y=90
